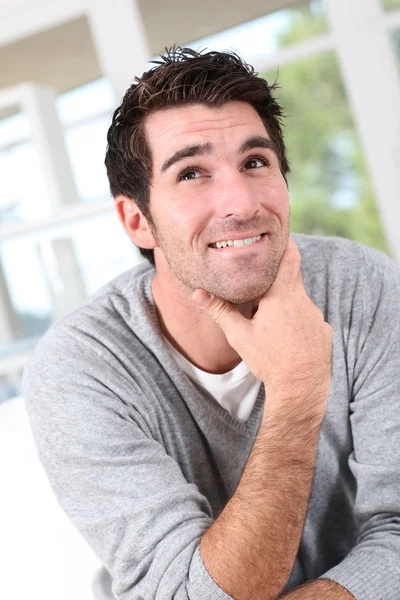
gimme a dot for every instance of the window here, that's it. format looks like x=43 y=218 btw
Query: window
x=86 y=146
x=87 y=252
x=23 y=191
x=86 y=115
x=330 y=189
x=78 y=257
x=263 y=37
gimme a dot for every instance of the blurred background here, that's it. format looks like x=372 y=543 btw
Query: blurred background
x=64 y=67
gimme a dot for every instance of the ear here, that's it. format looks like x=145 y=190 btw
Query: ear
x=134 y=222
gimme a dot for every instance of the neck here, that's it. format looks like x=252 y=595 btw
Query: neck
x=191 y=331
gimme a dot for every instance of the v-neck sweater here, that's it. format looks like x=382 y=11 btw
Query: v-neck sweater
x=236 y=390
x=143 y=460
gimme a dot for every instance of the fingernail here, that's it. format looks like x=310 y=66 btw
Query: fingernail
x=202 y=299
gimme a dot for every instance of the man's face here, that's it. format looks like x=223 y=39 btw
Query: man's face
x=216 y=178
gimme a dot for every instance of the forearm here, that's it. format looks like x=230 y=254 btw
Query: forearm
x=251 y=548
x=321 y=588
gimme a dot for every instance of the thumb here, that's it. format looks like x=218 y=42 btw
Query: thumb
x=232 y=323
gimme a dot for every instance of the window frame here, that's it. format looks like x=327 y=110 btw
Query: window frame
x=77 y=210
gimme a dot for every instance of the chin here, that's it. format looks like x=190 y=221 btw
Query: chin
x=242 y=295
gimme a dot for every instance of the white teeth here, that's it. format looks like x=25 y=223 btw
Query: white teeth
x=245 y=242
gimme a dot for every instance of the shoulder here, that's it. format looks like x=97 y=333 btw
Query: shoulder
x=111 y=305
x=121 y=292
x=316 y=250
x=96 y=332
x=342 y=275
x=341 y=256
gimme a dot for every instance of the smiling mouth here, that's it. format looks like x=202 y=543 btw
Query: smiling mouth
x=237 y=243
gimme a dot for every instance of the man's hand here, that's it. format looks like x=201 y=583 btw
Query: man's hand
x=287 y=344
x=251 y=548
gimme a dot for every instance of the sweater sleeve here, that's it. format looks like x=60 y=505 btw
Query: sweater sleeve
x=371 y=571
x=127 y=497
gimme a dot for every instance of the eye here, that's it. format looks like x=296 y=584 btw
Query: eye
x=189 y=173
x=256 y=162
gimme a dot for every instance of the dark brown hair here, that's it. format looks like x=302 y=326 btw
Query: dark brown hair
x=182 y=76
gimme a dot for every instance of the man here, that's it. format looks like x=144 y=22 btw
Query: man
x=215 y=425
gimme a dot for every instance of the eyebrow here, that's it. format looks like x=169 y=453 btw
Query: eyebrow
x=257 y=141
x=187 y=152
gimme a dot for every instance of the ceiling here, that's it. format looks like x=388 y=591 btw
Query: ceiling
x=64 y=56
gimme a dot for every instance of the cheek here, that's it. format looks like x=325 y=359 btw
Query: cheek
x=183 y=221
x=276 y=199
x=192 y=214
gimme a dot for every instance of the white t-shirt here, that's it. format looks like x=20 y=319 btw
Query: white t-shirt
x=236 y=390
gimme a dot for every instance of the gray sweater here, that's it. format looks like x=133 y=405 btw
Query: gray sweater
x=142 y=461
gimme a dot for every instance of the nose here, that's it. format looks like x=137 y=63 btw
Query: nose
x=236 y=197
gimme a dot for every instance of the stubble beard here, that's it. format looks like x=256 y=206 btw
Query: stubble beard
x=193 y=272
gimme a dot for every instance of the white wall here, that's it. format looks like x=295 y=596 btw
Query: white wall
x=42 y=556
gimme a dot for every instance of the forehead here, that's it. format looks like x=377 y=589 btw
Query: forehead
x=167 y=130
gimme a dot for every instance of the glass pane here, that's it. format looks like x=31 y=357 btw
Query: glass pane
x=19 y=195
x=25 y=198
x=265 y=36
x=86 y=142
x=330 y=188
x=86 y=146
x=23 y=193
x=14 y=129
x=44 y=276
x=390 y=4
x=87 y=101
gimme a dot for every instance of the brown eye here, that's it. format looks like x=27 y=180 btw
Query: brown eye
x=255 y=163
x=189 y=174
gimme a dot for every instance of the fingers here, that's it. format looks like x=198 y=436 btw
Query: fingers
x=232 y=323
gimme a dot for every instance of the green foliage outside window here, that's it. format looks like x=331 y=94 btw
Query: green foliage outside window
x=330 y=188
x=390 y=4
